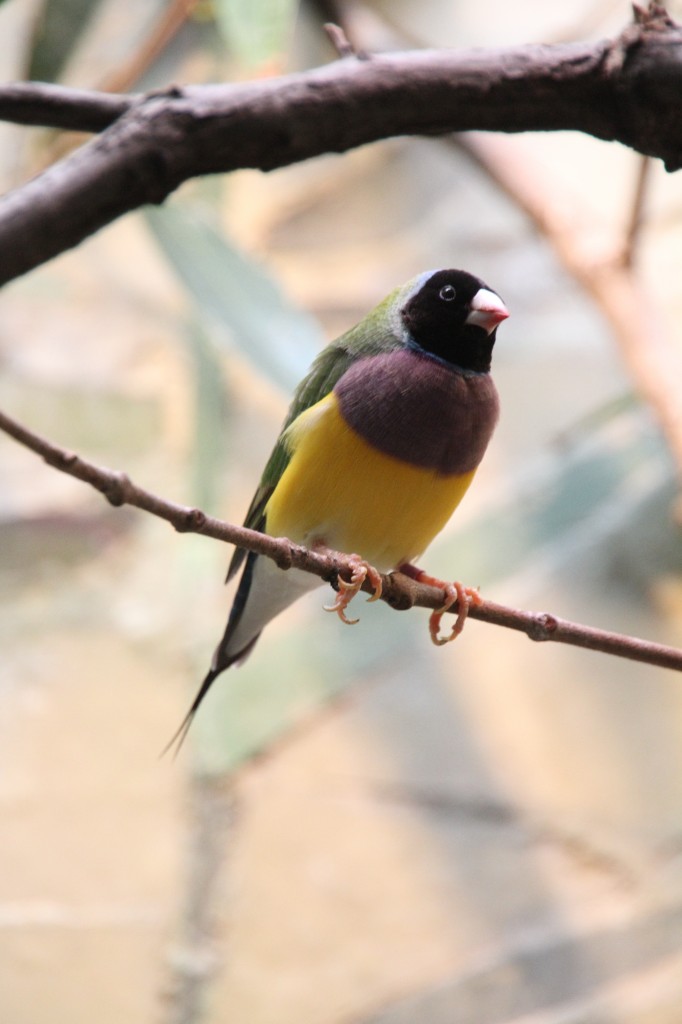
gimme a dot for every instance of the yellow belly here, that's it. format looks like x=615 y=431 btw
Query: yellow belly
x=340 y=491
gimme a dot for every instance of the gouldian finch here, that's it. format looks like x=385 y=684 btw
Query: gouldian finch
x=381 y=441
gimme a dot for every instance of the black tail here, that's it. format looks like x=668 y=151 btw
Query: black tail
x=178 y=737
x=221 y=660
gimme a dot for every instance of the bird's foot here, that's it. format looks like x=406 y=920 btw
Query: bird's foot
x=453 y=593
x=360 y=571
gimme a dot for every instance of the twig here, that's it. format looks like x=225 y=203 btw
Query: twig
x=636 y=222
x=400 y=592
x=60 y=106
x=339 y=40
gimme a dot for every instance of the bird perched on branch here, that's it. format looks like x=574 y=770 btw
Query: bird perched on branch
x=381 y=441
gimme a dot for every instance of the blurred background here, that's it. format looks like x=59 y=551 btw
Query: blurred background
x=361 y=827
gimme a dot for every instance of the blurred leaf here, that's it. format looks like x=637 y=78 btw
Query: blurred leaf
x=256 y=31
x=209 y=419
x=235 y=293
x=59 y=27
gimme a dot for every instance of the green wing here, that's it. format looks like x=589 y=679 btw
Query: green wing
x=372 y=335
x=327 y=369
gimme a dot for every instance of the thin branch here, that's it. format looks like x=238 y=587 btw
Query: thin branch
x=627 y=89
x=60 y=106
x=341 y=43
x=339 y=40
x=400 y=592
x=633 y=231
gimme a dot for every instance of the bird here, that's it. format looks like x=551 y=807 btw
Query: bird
x=381 y=441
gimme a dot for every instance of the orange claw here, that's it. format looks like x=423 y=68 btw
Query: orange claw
x=360 y=571
x=464 y=596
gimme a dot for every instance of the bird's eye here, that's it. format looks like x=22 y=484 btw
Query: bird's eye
x=447 y=293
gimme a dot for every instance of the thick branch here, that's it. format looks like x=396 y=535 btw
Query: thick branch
x=628 y=89
x=399 y=590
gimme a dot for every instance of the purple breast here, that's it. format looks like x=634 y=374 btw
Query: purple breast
x=419 y=410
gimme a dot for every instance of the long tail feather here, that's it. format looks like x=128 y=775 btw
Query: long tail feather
x=263 y=592
x=178 y=738
x=221 y=659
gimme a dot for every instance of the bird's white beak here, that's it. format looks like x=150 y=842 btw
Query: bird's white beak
x=487 y=310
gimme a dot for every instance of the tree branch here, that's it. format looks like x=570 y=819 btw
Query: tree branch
x=60 y=106
x=627 y=89
x=399 y=591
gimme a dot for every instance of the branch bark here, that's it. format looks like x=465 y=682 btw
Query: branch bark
x=627 y=89
x=399 y=591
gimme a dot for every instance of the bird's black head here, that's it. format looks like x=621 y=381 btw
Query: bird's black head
x=454 y=316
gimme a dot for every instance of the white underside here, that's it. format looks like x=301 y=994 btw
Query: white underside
x=272 y=590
